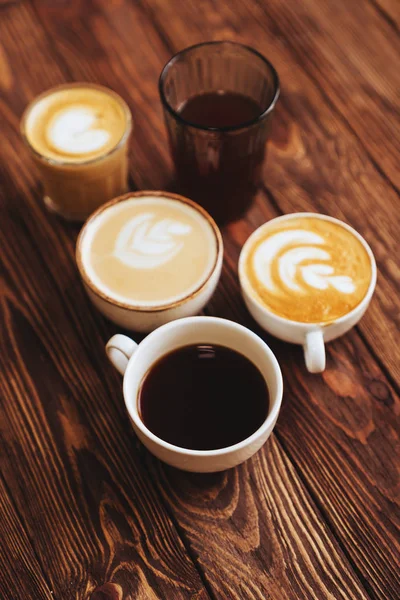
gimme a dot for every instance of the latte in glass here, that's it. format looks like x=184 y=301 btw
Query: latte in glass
x=78 y=135
x=307 y=269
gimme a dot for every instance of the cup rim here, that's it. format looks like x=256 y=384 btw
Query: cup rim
x=75 y=84
x=160 y=307
x=243 y=125
x=185 y=322
x=247 y=289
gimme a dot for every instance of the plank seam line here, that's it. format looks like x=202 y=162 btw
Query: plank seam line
x=22 y=520
x=58 y=58
x=330 y=104
x=364 y=583
x=148 y=13
x=392 y=381
x=180 y=531
x=385 y=15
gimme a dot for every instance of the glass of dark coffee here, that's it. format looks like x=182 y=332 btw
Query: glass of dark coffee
x=218 y=99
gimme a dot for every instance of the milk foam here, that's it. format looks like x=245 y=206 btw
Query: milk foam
x=289 y=249
x=147 y=243
x=151 y=248
x=73 y=130
x=76 y=123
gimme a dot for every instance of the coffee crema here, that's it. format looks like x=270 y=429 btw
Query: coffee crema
x=75 y=123
x=149 y=251
x=308 y=269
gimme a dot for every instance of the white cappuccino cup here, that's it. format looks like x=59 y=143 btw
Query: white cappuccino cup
x=304 y=260
x=134 y=361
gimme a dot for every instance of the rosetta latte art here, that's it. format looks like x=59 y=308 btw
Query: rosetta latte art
x=147 y=243
x=294 y=261
x=74 y=131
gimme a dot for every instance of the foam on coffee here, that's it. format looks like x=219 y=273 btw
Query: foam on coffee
x=148 y=251
x=76 y=123
x=308 y=269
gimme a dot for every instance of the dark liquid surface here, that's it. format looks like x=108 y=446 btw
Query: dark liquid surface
x=219 y=170
x=220 y=109
x=203 y=397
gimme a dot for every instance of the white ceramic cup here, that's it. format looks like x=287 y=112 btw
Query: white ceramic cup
x=133 y=361
x=146 y=318
x=312 y=336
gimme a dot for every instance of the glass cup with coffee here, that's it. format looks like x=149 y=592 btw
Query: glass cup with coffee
x=307 y=279
x=218 y=99
x=203 y=393
x=78 y=137
x=147 y=258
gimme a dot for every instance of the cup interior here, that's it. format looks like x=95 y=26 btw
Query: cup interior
x=247 y=287
x=201 y=330
x=99 y=215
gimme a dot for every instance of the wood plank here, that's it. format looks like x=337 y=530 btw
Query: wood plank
x=390 y=10
x=183 y=29
x=70 y=459
x=21 y=574
x=321 y=567
x=329 y=41
x=295 y=157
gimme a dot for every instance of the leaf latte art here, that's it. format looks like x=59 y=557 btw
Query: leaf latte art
x=146 y=243
x=149 y=250
x=293 y=252
x=308 y=269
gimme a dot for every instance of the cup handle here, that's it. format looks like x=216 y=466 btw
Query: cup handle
x=314 y=351
x=119 y=350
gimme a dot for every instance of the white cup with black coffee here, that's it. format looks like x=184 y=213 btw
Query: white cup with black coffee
x=307 y=279
x=203 y=393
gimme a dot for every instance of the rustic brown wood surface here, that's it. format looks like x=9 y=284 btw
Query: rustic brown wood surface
x=86 y=512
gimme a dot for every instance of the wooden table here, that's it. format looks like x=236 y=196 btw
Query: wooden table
x=86 y=512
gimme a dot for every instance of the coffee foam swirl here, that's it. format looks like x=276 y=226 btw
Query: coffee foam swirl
x=308 y=269
x=149 y=251
x=73 y=130
x=147 y=243
x=290 y=249
x=76 y=123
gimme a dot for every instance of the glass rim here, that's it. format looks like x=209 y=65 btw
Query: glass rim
x=244 y=124
x=70 y=163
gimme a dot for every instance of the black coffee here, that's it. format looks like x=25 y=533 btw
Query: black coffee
x=220 y=170
x=203 y=397
x=220 y=109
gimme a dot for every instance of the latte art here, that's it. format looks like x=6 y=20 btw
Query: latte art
x=73 y=131
x=147 y=243
x=76 y=123
x=149 y=251
x=308 y=269
x=298 y=263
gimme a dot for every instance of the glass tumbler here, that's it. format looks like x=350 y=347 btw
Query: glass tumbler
x=218 y=98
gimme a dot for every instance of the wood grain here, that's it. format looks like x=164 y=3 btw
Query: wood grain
x=390 y=10
x=303 y=152
x=315 y=513
x=21 y=575
x=330 y=43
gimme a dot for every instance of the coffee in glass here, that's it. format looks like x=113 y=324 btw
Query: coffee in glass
x=78 y=136
x=218 y=99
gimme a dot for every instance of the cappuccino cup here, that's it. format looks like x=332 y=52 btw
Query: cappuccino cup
x=147 y=258
x=134 y=361
x=78 y=137
x=307 y=279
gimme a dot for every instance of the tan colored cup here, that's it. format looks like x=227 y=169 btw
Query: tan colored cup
x=75 y=189
x=146 y=318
